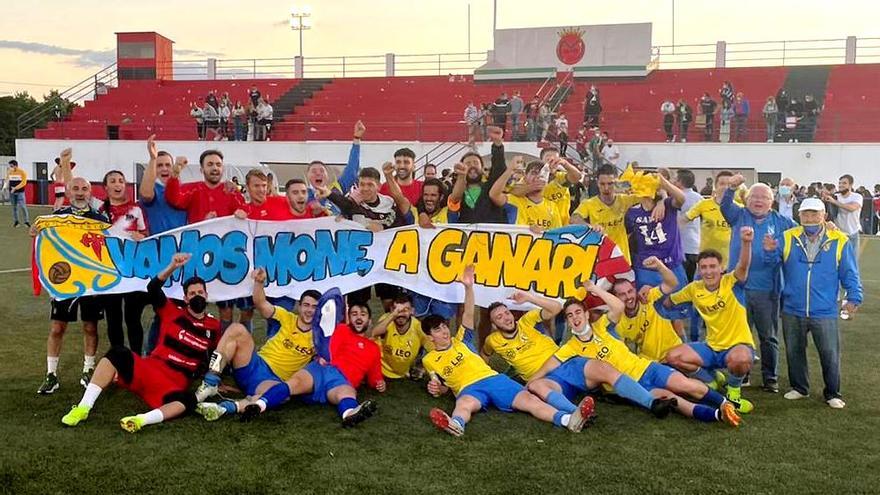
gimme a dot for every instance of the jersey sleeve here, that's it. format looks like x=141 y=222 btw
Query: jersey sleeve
x=466 y=337
x=532 y=319
x=695 y=211
x=684 y=295
x=281 y=315
x=629 y=200
x=583 y=210
x=374 y=374
x=564 y=353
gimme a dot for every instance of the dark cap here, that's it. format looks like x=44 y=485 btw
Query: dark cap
x=13 y=162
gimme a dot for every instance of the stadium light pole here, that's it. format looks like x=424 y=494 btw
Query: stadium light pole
x=301 y=20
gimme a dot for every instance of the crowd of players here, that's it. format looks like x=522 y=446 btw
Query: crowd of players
x=677 y=338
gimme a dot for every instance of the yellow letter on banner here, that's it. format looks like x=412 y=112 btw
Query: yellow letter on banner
x=444 y=256
x=404 y=251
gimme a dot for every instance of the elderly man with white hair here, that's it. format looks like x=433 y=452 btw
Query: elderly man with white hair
x=764 y=283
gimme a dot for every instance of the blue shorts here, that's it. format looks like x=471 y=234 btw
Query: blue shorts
x=570 y=377
x=325 y=378
x=654 y=279
x=497 y=390
x=656 y=376
x=712 y=359
x=251 y=375
x=240 y=303
x=424 y=306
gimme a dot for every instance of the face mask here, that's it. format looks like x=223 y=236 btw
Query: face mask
x=785 y=190
x=197 y=304
x=812 y=230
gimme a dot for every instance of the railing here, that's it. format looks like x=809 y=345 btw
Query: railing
x=88 y=88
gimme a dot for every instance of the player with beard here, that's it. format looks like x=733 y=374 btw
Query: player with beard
x=599 y=341
x=562 y=175
x=470 y=193
x=128 y=220
x=607 y=210
x=431 y=207
x=161 y=216
x=301 y=208
x=187 y=336
x=318 y=177
x=357 y=357
x=524 y=344
x=282 y=368
x=532 y=209
x=376 y=212
x=401 y=339
x=89 y=308
x=404 y=165
x=209 y=198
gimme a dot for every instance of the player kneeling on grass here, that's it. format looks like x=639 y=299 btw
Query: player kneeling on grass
x=187 y=335
x=282 y=368
x=720 y=299
x=599 y=341
x=454 y=364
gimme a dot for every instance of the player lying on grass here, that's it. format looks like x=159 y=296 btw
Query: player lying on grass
x=186 y=336
x=401 y=339
x=284 y=367
x=720 y=299
x=454 y=364
x=597 y=340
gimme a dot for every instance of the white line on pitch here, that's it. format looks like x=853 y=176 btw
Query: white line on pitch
x=16 y=270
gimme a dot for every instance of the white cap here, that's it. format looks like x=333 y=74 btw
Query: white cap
x=812 y=204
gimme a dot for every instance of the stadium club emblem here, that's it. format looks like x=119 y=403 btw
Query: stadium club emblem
x=571 y=47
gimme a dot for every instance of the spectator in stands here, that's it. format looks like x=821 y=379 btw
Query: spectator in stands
x=786 y=200
x=430 y=171
x=516 y=109
x=472 y=123
x=264 y=120
x=404 y=165
x=209 y=198
x=667 y=108
x=225 y=99
x=212 y=122
x=611 y=153
x=544 y=118
x=198 y=115
x=252 y=123
x=485 y=112
x=225 y=112
x=592 y=107
x=562 y=133
x=580 y=142
x=532 y=130
x=727 y=115
x=771 y=114
x=741 y=111
x=727 y=93
x=211 y=99
x=684 y=115
x=254 y=95
x=500 y=110
x=792 y=120
x=708 y=188
x=707 y=108
x=595 y=147
x=808 y=123
x=239 y=116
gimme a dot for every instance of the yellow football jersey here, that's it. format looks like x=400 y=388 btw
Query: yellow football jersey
x=652 y=334
x=604 y=347
x=714 y=230
x=524 y=211
x=400 y=350
x=557 y=193
x=290 y=349
x=527 y=350
x=441 y=216
x=723 y=310
x=459 y=365
x=610 y=218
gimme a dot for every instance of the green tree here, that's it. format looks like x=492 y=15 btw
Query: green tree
x=12 y=107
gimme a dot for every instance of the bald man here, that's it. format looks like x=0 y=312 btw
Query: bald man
x=764 y=283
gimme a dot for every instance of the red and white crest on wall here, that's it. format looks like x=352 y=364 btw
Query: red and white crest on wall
x=571 y=47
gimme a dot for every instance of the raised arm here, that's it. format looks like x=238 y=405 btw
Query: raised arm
x=154 y=287
x=549 y=307
x=674 y=192
x=572 y=174
x=496 y=192
x=669 y=281
x=148 y=182
x=499 y=164
x=460 y=183
x=615 y=305
x=400 y=200
x=467 y=280
x=381 y=326
x=729 y=209
x=175 y=194
x=741 y=272
x=260 y=302
x=66 y=173
x=350 y=173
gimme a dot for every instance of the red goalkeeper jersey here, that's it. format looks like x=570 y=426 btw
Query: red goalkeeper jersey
x=357 y=357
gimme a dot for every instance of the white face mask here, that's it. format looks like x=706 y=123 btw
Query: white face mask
x=545 y=173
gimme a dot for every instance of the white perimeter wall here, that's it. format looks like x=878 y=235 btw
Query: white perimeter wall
x=805 y=162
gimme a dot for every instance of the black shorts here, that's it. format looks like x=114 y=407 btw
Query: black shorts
x=89 y=308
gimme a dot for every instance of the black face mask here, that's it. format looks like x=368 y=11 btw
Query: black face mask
x=197 y=304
